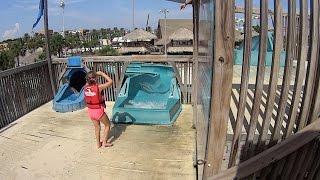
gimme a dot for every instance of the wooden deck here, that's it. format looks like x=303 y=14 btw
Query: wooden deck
x=48 y=145
x=250 y=97
x=249 y=104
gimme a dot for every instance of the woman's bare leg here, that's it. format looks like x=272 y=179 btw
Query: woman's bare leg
x=105 y=120
x=97 y=132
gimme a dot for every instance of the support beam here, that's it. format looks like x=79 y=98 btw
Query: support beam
x=124 y=68
x=221 y=85
x=194 y=97
x=273 y=154
x=180 y=82
x=47 y=41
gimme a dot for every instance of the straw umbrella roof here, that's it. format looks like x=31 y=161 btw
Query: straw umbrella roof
x=181 y=34
x=139 y=35
x=125 y=50
x=172 y=25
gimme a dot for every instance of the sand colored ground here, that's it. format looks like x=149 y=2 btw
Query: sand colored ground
x=48 y=145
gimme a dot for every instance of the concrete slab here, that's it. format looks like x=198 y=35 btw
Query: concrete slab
x=49 y=145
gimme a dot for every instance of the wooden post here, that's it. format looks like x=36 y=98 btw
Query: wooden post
x=48 y=46
x=194 y=97
x=124 y=68
x=179 y=79
x=254 y=115
x=312 y=67
x=194 y=84
x=244 y=83
x=221 y=85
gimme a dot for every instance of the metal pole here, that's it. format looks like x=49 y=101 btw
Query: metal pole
x=165 y=11
x=62 y=5
x=63 y=21
x=132 y=14
x=53 y=88
x=165 y=31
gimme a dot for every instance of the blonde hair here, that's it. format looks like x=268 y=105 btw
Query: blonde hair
x=91 y=77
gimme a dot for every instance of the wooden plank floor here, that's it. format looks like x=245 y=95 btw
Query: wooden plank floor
x=249 y=103
x=250 y=97
x=49 y=145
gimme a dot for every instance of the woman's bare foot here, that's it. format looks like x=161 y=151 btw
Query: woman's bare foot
x=99 y=145
x=107 y=144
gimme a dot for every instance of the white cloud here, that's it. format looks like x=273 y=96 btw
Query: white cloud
x=11 y=33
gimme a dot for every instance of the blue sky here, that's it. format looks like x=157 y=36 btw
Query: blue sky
x=17 y=16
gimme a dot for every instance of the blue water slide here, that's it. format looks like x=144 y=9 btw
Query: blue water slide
x=149 y=95
x=238 y=52
x=70 y=95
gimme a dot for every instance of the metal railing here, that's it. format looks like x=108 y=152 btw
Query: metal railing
x=22 y=90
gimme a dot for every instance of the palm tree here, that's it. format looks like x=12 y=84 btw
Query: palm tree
x=6 y=61
x=72 y=41
x=57 y=43
x=34 y=43
x=16 y=49
x=26 y=37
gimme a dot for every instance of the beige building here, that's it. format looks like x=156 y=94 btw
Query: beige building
x=178 y=36
x=138 y=41
x=4 y=47
x=84 y=32
x=181 y=42
x=42 y=32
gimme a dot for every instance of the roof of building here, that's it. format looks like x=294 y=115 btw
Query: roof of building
x=124 y=50
x=117 y=39
x=139 y=35
x=181 y=34
x=171 y=26
x=174 y=24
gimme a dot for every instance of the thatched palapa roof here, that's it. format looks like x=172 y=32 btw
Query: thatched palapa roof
x=139 y=35
x=125 y=50
x=172 y=25
x=181 y=34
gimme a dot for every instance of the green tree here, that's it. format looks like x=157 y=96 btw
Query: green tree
x=90 y=43
x=72 y=41
x=107 y=51
x=26 y=38
x=6 y=60
x=34 y=43
x=16 y=49
x=85 y=45
x=41 y=57
x=56 y=44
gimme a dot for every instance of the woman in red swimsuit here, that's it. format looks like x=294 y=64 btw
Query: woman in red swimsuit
x=95 y=103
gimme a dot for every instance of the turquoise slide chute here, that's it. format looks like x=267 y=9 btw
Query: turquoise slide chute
x=149 y=95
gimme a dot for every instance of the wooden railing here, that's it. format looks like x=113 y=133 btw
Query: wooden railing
x=283 y=118
x=298 y=157
x=275 y=104
x=25 y=88
x=22 y=90
x=113 y=66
